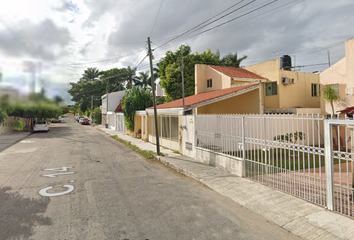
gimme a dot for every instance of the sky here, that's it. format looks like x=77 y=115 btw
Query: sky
x=58 y=39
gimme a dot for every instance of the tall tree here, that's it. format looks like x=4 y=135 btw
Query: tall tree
x=170 y=71
x=135 y=99
x=130 y=77
x=91 y=74
x=114 y=79
x=231 y=60
x=144 y=80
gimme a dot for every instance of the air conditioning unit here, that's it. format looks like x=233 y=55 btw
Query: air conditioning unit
x=285 y=81
x=349 y=91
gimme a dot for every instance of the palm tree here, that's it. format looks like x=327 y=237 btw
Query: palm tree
x=144 y=80
x=130 y=77
x=232 y=60
x=91 y=74
x=330 y=95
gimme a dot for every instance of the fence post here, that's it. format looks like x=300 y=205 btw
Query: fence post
x=329 y=165
x=243 y=147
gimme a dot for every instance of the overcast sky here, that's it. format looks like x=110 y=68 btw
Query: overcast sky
x=65 y=38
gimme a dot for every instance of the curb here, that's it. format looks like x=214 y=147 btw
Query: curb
x=15 y=142
x=178 y=169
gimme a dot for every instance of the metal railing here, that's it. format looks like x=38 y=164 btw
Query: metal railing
x=283 y=151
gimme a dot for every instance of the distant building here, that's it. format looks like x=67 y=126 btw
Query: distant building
x=341 y=77
x=114 y=100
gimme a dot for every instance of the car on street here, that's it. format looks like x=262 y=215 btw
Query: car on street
x=78 y=119
x=85 y=121
x=55 y=120
x=41 y=126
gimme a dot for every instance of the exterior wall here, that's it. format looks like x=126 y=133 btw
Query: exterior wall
x=5 y=129
x=203 y=73
x=231 y=164
x=144 y=127
x=188 y=139
x=270 y=70
x=297 y=95
x=341 y=73
x=349 y=53
x=245 y=103
x=137 y=125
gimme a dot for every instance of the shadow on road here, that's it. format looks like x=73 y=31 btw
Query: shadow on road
x=18 y=215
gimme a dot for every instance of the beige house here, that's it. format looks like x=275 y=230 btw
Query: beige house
x=341 y=77
x=287 y=91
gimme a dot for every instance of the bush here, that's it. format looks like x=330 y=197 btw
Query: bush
x=135 y=99
x=97 y=115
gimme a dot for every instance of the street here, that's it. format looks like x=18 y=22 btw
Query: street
x=74 y=182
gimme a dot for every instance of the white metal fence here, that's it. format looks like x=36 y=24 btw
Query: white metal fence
x=285 y=152
x=119 y=123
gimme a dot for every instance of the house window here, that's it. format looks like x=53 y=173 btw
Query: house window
x=169 y=127
x=209 y=83
x=271 y=89
x=315 y=90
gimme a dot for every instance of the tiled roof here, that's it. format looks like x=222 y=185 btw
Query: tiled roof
x=236 y=72
x=347 y=110
x=201 y=97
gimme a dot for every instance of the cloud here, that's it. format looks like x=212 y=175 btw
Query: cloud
x=40 y=40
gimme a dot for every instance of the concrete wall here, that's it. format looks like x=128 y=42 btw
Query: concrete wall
x=203 y=73
x=188 y=136
x=297 y=95
x=137 y=125
x=245 y=103
x=228 y=163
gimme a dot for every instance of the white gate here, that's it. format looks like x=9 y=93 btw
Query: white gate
x=339 y=154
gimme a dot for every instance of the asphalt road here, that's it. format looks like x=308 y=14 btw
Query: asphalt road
x=76 y=183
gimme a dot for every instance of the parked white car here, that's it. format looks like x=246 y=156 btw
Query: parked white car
x=41 y=126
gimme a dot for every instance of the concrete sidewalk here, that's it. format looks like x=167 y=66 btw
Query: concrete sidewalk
x=302 y=218
x=10 y=138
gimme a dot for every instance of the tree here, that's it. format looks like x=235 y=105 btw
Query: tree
x=114 y=79
x=231 y=60
x=130 y=77
x=144 y=80
x=82 y=91
x=91 y=74
x=134 y=100
x=170 y=69
x=330 y=95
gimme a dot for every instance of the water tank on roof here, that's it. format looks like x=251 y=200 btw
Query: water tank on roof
x=285 y=62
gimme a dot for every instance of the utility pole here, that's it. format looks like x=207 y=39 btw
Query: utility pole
x=329 y=57
x=91 y=106
x=182 y=75
x=107 y=90
x=154 y=99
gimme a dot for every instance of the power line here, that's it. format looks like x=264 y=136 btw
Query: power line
x=158 y=12
x=233 y=19
x=182 y=34
x=105 y=60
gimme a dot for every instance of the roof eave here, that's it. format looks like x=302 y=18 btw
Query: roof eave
x=224 y=97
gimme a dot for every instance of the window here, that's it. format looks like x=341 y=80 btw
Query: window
x=209 y=83
x=271 y=89
x=315 y=90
